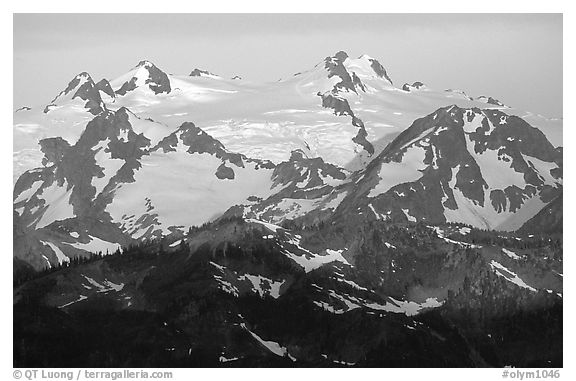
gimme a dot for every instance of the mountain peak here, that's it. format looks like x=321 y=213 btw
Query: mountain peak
x=340 y=56
x=378 y=69
x=81 y=86
x=201 y=73
x=490 y=100
x=146 y=74
x=145 y=64
x=77 y=81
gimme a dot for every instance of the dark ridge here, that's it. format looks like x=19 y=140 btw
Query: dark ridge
x=379 y=70
x=341 y=56
x=127 y=86
x=157 y=80
x=407 y=86
x=548 y=220
x=104 y=86
x=73 y=84
x=223 y=172
x=335 y=67
x=342 y=107
x=490 y=100
x=198 y=73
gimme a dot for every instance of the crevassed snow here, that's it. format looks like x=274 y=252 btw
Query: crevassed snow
x=394 y=173
x=178 y=182
x=510 y=276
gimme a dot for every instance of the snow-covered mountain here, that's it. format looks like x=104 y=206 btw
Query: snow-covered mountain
x=151 y=154
x=327 y=219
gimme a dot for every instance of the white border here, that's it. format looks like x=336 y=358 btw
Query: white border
x=297 y=6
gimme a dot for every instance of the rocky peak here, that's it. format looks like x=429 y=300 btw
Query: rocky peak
x=81 y=86
x=379 y=69
x=340 y=56
x=416 y=85
x=104 y=86
x=490 y=100
x=146 y=74
x=201 y=73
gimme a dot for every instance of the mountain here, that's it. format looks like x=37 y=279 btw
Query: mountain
x=326 y=219
x=548 y=220
x=144 y=76
x=480 y=167
x=253 y=295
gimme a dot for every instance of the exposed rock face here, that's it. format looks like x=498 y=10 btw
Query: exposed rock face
x=224 y=172
x=464 y=165
x=452 y=166
x=341 y=107
x=82 y=86
x=104 y=86
x=335 y=67
x=201 y=73
x=416 y=85
x=78 y=186
x=490 y=100
x=379 y=69
x=459 y=93
x=147 y=74
x=548 y=220
x=304 y=189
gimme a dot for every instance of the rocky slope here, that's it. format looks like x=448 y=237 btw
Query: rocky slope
x=247 y=293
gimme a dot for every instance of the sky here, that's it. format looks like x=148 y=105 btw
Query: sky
x=516 y=58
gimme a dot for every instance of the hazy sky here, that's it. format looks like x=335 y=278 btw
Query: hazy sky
x=516 y=58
